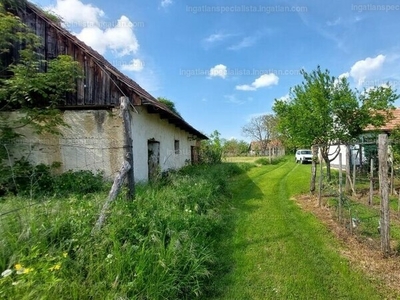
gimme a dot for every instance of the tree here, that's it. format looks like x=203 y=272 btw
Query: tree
x=23 y=83
x=28 y=83
x=324 y=110
x=234 y=147
x=261 y=129
x=170 y=104
x=211 y=149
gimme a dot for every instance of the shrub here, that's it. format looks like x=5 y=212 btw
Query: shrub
x=262 y=161
x=25 y=179
x=79 y=182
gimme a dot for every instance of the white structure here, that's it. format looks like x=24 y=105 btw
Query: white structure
x=357 y=156
x=93 y=139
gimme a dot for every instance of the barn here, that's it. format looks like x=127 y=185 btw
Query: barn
x=94 y=138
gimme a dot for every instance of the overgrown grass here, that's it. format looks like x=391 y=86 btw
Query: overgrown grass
x=228 y=231
x=163 y=245
x=280 y=252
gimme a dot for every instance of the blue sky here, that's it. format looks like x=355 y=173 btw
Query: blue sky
x=223 y=62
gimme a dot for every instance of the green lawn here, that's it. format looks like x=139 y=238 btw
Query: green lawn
x=280 y=252
x=226 y=231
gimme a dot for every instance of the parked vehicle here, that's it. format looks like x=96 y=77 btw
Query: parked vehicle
x=303 y=156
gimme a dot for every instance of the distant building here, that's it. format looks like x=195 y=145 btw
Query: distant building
x=266 y=148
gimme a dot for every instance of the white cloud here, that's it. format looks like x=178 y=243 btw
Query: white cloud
x=215 y=37
x=101 y=36
x=93 y=36
x=338 y=79
x=218 y=71
x=75 y=13
x=136 y=65
x=264 y=80
x=121 y=37
x=364 y=68
x=165 y=3
x=245 y=87
x=284 y=98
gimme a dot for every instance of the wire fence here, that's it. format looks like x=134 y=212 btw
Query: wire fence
x=364 y=191
x=71 y=154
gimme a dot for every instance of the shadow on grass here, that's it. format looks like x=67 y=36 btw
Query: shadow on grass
x=245 y=193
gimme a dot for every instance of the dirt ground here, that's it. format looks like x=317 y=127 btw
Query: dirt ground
x=363 y=253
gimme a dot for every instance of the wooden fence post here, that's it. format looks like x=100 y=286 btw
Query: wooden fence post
x=124 y=101
x=354 y=172
x=371 y=183
x=340 y=188
x=384 y=190
x=347 y=187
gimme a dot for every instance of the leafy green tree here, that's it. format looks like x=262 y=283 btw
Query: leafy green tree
x=234 y=147
x=324 y=110
x=395 y=145
x=211 y=149
x=23 y=83
x=28 y=83
x=170 y=104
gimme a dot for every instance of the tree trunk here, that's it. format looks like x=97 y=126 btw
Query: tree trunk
x=324 y=153
x=313 y=168
x=328 y=170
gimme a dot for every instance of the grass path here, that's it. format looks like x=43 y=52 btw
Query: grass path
x=280 y=252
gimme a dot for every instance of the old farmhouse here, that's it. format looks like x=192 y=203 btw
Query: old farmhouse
x=94 y=140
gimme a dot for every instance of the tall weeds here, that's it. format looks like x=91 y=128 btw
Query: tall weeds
x=163 y=245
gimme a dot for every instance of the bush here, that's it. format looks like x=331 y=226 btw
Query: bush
x=25 y=179
x=262 y=161
x=265 y=161
x=79 y=182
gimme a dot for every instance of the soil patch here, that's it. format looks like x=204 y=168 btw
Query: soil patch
x=363 y=253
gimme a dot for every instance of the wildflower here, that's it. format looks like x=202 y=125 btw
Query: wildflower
x=6 y=273
x=21 y=270
x=65 y=254
x=55 y=267
x=18 y=267
x=109 y=256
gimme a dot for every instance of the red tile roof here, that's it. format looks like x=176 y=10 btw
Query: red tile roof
x=390 y=125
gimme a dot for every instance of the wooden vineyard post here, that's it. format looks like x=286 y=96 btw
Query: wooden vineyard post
x=340 y=188
x=384 y=191
x=371 y=183
x=354 y=174
x=320 y=184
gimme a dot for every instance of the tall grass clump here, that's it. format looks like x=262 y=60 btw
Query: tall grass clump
x=162 y=245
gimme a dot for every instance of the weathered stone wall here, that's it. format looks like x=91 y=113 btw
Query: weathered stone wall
x=93 y=140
